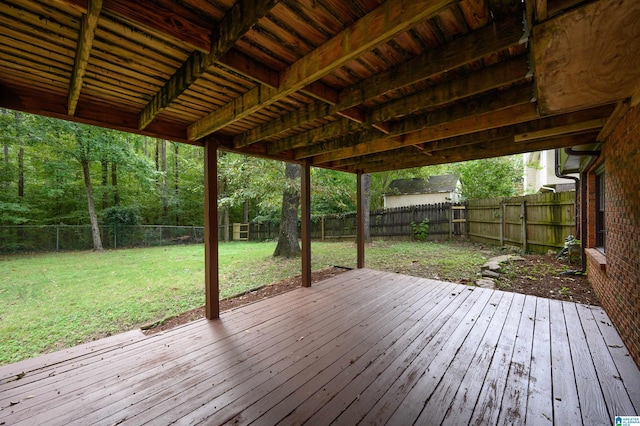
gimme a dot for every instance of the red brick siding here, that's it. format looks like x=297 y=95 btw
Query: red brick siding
x=618 y=287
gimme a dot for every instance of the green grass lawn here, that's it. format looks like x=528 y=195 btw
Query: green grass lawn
x=57 y=300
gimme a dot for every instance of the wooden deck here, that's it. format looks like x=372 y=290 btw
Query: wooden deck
x=364 y=347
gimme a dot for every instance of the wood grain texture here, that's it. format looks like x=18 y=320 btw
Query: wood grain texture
x=384 y=23
x=587 y=56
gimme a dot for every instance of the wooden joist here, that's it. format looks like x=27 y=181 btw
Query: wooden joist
x=499 y=75
x=242 y=16
x=387 y=21
x=458 y=53
x=579 y=122
x=83 y=51
x=487 y=149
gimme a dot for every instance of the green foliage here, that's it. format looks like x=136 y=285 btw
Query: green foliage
x=13 y=213
x=490 y=178
x=121 y=215
x=421 y=230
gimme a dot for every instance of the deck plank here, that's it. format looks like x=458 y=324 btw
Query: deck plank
x=615 y=394
x=540 y=402
x=487 y=407
x=441 y=399
x=566 y=406
x=384 y=371
x=464 y=401
x=592 y=403
x=426 y=371
x=301 y=401
x=627 y=369
x=360 y=348
x=200 y=402
x=514 y=401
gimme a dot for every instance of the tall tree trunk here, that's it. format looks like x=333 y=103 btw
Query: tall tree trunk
x=105 y=183
x=366 y=205
x=288 y=238
x=21 y=172
x=6 y=155
x=95 y=230
x=246 y=211
x=226 y=224
x=114 y=184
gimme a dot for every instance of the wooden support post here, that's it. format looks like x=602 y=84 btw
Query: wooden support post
x=305 y=201
x=502 y=212
x=451 y=222
x=322 y=228
x=524 y=226
x=360 y=221
x=212 y=297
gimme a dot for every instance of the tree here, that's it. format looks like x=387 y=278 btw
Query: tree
x=490 y=178
x=288 y=238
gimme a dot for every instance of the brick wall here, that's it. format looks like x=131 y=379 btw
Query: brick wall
x=616 y=278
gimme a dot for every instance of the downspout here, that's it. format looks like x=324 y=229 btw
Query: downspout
x=581 y=183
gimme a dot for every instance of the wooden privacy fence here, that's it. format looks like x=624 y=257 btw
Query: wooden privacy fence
x=445 y=221
x=536 y=223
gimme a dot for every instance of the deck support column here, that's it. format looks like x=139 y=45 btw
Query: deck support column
x=360 y=221
x=212 y=291
x=305 y=231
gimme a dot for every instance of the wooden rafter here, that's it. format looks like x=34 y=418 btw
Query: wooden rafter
x=383 y=23
x=240 y=18
x=578 y=122
x=488 y=112
x=449 y=128
x=486 y=149
x=499 y=75
x=495 y=38
x=83 y=51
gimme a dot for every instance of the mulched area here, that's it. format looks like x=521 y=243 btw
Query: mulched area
x=537 y=275
x=542 y=275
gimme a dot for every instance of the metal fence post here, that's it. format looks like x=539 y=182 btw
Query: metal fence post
x=57 y=238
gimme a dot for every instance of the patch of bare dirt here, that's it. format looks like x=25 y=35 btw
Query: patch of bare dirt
x=545 y=276
x=244 y=299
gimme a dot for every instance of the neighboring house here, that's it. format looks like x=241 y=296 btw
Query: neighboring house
x=417 y=191
x=610 y=220
x=540 y=173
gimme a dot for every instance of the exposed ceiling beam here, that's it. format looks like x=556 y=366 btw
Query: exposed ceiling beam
x=485 y=149
x=462 y=51
x=449 y=128
x=383 y=23
x=502 y=74
x=569 y=129
x=51 y=104
x=238 y=20
x=491 y=111
x=586 y=121
x=83 y=51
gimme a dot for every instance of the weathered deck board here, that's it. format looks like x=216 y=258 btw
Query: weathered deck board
x=362 y=347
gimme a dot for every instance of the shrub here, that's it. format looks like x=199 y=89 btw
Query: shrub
x=421 y=230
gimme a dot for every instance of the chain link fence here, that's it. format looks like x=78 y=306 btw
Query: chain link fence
x=50 y=238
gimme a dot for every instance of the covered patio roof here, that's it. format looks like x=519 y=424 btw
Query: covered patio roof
x=356 y=85
x=364 y=347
